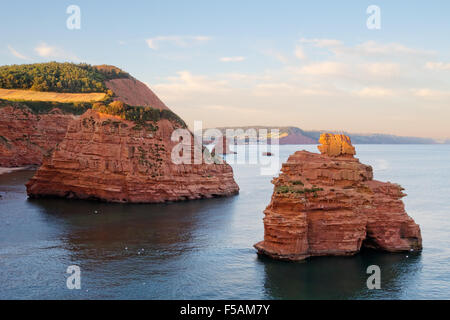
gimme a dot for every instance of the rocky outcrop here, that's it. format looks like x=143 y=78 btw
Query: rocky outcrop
x=329 y=204
x=334 y=145
x=26 y=137
x=108 y=158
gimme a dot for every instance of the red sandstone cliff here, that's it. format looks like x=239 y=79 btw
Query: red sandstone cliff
x=108 y=158
x=329 y=204
x=26 y=137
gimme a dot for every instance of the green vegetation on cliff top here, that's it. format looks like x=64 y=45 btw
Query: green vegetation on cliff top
x=137 y=114
x=59 y=77
x=44 y=107
x=76 y=78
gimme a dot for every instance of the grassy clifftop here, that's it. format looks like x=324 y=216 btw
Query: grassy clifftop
x=72 y=88
x=59 y=77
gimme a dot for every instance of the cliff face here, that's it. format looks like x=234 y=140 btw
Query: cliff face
x=26 y=137
x=329 y=204
x=108 y=158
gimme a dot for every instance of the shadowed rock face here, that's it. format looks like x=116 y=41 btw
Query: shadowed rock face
x=107 y=158
x=329 y=204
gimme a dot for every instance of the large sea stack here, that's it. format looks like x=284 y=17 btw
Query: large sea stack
x=329 y=204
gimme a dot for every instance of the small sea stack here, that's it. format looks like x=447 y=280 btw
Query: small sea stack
x=329 y=204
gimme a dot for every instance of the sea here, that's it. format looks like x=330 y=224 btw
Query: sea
x=203 y=249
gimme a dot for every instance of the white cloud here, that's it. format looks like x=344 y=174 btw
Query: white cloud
x=385 y=87
x=375 y=48
x=368 y=48
x=380 y=69
x=52 y=52
x=322 y=43
x=179 y=41
x=437 y=66
x=186 y=83
x=324 y=68
x=431 y=93
x=277 y=55
x=232 y=59
x=300 y=53
x=46 y=51
x=375 y=92
x=17 y=54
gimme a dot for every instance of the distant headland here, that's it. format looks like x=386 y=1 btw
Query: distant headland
x=295 y=135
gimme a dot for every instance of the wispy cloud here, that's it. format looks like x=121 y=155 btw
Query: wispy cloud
x=17 y=54
x=437 y=66
x=375 y=48
x=381 y=69
x=324 y=68
x=375 y=92
x=185 y=83
x=300 y=53
x=232 y=59
x=52 y=52
x=179 y=41
x=368 y=48
x=385 y=87
x=431 y=93
x=277 y=55
x=322 y=43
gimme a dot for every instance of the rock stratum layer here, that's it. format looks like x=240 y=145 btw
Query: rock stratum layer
x=26 y=137
x=107 y=158
x=329 y=204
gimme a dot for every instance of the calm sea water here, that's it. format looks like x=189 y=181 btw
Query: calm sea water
x=203 y=249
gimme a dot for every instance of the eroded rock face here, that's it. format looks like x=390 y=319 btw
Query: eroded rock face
x=329 y=204
x=335 y=145
x=107 y=158
x=26 y=137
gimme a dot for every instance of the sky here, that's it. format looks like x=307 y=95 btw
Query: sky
x=314 y=65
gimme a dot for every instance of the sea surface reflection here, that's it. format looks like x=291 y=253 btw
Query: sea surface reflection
x=203 y=249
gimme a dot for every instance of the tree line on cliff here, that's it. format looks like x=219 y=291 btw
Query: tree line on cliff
x=59 y=77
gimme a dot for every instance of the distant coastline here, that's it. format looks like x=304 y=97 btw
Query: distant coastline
x=295 y=135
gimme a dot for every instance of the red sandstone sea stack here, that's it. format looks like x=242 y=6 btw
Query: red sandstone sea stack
x=126 y=156
x=329 y=204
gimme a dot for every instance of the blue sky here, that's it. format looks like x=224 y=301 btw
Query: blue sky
x=233 y=62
